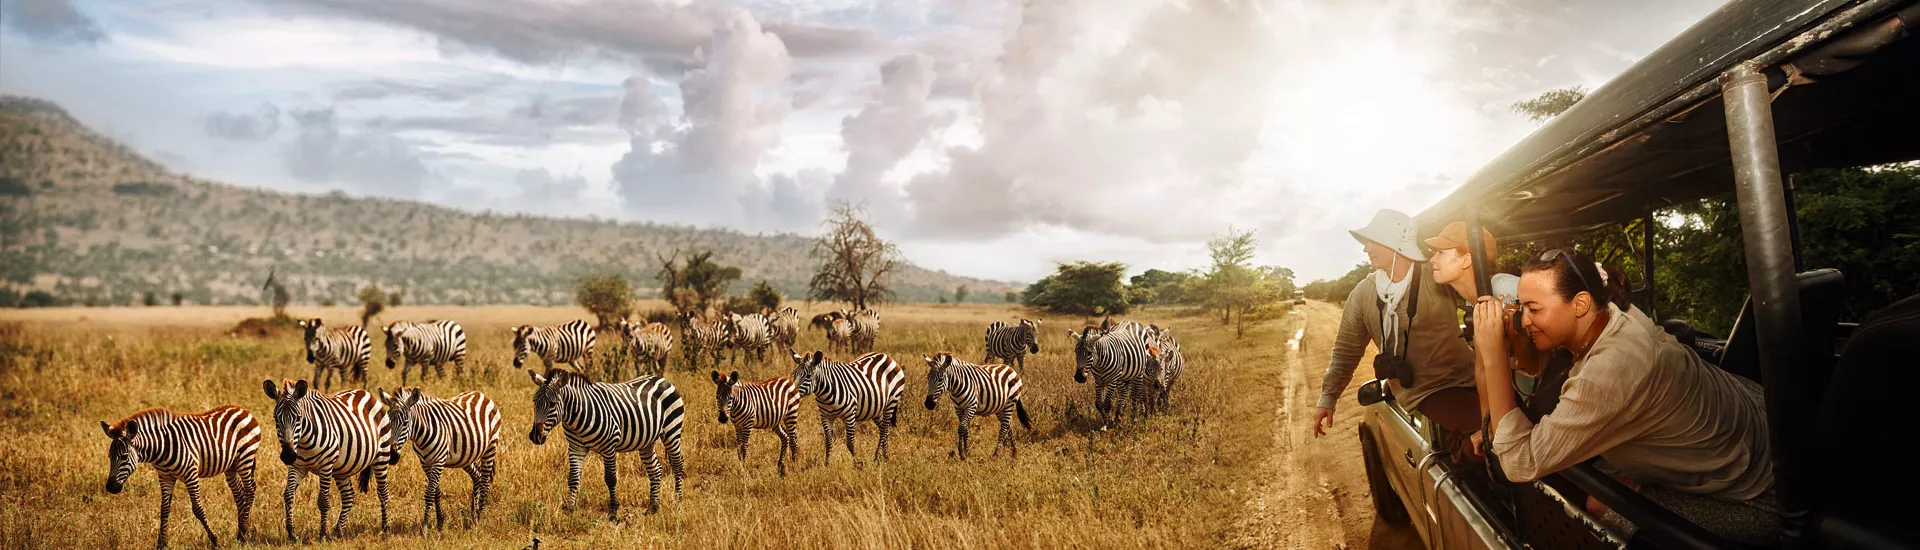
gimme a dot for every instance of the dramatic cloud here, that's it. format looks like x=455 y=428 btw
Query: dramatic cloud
x=256 y=126
x=885 y=131
x=384 y=88
x=52 y=21
x=376 y=163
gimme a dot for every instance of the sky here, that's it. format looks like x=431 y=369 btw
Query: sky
x=987 y=138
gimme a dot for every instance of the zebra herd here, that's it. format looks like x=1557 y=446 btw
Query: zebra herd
x=352 y=437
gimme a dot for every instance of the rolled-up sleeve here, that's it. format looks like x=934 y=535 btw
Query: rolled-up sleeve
x=1591 y=418
x=1348 y=346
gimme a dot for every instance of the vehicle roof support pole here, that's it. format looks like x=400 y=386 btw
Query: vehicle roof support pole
x=1482 y=276
x=1648 y=225
x=1765 y=229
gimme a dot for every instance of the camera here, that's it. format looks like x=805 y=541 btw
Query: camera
x=1388 y=366
x=1513 y=319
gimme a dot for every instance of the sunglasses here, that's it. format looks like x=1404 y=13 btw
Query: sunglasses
x=1567 y=256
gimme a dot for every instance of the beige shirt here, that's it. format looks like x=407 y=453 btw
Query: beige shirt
x=1439 y=356
x=1655 y=411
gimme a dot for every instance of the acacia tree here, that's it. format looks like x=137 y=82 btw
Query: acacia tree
x=608 y=297
x=694 y=285
x=854 y=262
x=1550 y=104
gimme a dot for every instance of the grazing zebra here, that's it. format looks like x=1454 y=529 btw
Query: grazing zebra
x=185 y=448
x=705 y=336
x=866 y=329
x=606 y=419
x=750 y=336
x=428 y=344
x=337 y=438
x=840 y=335
x=786 y=328
x=825 y=321
x=772 y=404
x=1164 y=367
x=460 y=432
x=1117 y=359
x=1012 y=343
x=570 y=343
x=978 y=390
x=344 y=349
x=650 y=344
x=868 y=388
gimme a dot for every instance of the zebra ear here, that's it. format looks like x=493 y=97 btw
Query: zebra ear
x=107 y=430
x=133 y=429
x=273 y=390
x=946 y=360
x=715 y=375
x=300 y=389
x=415 y=398
x=537 y=379
x=387 y=399
x=733 y=377
x=818 y=356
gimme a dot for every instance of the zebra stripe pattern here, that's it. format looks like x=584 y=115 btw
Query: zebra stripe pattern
x=346 y=350
x=866 y=329
x=978 y=390
x=649 y=344
x=1163 y=367
x=772 y=404
x=1117 y=359
x=462 y=432
x=840 y=335
x=1012 y=343
x=607 y=419
x=186 y=448
x=569 y=344
x=786 y=328
x=704 y=336
x=429 y=344
x=867 y=389
x=336 y=438
x=750 y=336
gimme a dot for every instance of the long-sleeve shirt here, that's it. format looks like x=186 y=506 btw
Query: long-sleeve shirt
x=1439 y=357
x=1655 y=411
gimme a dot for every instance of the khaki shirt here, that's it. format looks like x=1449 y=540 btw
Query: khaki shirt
x=1655 y=411
x=1439 y=356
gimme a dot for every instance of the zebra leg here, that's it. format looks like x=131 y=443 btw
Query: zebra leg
x=166 y=508
x=786 y=440
x=192 y=481
x=1006 y=434
x=671 y=441
x=439 y=370
x=479 y=494
x=380 y=486
x=826 y=440
x=740 y=434
x=613 y=480
x=857 y=463
x=320 y=369
x=345 y=485
x=575 y=455
x=325 y=504
x=293 y=485
x=242 y=486
x=433 y=495
x=654 y=475
x=960 y=445
x=1103 y=404
x=406 y=367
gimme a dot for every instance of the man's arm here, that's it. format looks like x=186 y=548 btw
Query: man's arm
x=1348 y=346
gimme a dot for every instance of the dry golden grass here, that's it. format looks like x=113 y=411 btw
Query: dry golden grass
x=1176 y=480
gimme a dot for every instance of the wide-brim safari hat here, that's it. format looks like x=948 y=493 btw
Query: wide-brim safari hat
x=1392 y=229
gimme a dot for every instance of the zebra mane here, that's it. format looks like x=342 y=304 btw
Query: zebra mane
x=567 y=377
x=145 y=422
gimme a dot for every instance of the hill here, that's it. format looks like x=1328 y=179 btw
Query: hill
x=87 y=220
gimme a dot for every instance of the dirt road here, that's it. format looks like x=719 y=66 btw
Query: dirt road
x=1316 y=493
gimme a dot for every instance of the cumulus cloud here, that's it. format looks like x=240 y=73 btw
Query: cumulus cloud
x=51 y=21
x=890 y=127
x=374 y=162
x=236 y=126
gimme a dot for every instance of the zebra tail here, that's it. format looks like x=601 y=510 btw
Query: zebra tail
x=1020 y=410
x=365 y=475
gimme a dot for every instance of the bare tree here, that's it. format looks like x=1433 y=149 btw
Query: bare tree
x=854 y=262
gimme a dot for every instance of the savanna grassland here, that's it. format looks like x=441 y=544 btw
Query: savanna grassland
x=1182 y=479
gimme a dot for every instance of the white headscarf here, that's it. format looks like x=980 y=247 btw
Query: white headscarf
x=1391 y=293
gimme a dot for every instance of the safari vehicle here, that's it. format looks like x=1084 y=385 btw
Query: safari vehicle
x=1758 y=89
x=1299 y=297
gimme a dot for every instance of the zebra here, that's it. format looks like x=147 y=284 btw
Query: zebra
x=1117 y=359
x=866 y=329
x=650 y=344
x=868 y=388
x=704 y=336
x=750 y=336
x=606 y=419
x=428 y=344
x=984 y=390
x=571 y=343
x=772 y=404
x=1163 y=367
x=1012 y=343
x=461 y=432
x=344 y=349
x=840 y=335
x=786 y=327
x=185 y=448
x=337 y=438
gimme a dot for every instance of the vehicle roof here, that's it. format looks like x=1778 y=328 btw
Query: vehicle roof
x=1656 y=134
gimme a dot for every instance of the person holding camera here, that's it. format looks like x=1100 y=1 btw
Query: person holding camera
x=1411 y=321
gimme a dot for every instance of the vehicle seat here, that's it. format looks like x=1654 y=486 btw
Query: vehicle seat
x=1823 y=299
x=1865 y=488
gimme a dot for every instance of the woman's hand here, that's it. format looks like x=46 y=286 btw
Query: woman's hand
x=1490 y=333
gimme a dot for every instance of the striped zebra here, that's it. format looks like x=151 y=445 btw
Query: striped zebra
x=606 y=419
x=866 y=389
x=1163 y=367
x=866 y=329
x=840 y=335
x=750 y=336
x=571 y=344
x=1117 y=359
x=337 y=438
x=344 y=349
x=786 y=328
x=428 y=344
x=1012 y=343
x=704 y=336
x=186 y=448
x=460 y=432
x=649 y=344
x=978 y=390
x=772 y=404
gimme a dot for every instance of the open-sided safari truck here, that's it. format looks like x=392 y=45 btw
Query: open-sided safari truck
x=1758 y=89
